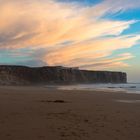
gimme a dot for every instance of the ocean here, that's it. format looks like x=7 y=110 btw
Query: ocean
x=128 y=88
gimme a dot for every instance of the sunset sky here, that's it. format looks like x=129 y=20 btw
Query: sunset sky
x=89 y=34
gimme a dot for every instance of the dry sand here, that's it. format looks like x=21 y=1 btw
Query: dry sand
x=38 y=113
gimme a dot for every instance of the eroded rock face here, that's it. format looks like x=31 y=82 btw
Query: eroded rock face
x=20 y=75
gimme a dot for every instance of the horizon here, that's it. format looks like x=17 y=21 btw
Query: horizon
x=95 y=35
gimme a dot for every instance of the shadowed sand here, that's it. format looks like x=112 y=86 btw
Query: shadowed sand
x=38 y=113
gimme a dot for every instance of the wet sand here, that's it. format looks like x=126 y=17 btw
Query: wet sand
x=39 y=113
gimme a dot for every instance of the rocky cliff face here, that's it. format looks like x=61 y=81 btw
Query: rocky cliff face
x=20 y=75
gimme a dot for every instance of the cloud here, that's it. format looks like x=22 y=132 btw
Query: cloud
x=115 y=6
x=122 y=5
x=89 y=51
x=69 y=34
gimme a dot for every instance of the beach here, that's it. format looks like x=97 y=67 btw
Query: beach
x=41 y=113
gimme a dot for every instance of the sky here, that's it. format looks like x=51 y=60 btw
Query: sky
x=89 y=34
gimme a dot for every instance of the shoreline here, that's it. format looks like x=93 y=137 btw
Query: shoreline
x=95 y=89
x=130 y=88
x=58 y=88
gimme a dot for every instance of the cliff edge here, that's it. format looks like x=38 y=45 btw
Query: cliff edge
x=22 y=75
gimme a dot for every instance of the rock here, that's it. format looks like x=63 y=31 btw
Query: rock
x=21 y=75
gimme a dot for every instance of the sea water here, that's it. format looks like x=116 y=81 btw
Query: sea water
x=128 y=88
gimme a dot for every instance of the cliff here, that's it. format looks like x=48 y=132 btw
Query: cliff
x=21 y=75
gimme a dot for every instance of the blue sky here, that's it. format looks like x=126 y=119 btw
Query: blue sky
x=83 y=2
x=89 y=34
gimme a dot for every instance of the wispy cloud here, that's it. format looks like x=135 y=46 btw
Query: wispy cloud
x=46 y=25
x=89 y=51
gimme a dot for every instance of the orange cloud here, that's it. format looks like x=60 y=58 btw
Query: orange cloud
x=49 y=25
x=89 y=50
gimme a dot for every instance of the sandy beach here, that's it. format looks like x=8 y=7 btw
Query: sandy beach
x=39 y=113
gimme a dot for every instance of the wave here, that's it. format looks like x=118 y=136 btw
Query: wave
x=128 y=88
